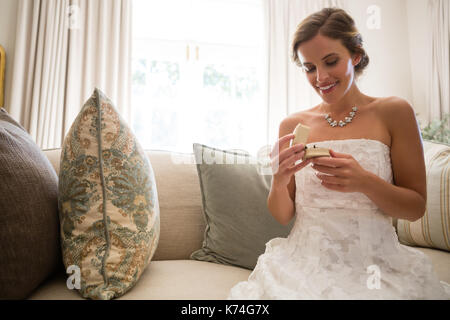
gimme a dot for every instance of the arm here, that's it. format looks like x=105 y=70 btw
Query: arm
x=406 y=199
x=398 y=202
x=280 y=204
x=280 y=201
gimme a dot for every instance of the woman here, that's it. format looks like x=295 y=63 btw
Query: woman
x=343 y=244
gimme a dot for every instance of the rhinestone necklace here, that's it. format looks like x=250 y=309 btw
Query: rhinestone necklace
x=341 y=123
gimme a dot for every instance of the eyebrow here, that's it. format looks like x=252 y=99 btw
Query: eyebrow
x=330 y=54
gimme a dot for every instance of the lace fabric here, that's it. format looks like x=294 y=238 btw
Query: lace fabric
x=342 y=246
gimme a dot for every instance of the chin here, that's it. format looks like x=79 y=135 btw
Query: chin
x=330 y=99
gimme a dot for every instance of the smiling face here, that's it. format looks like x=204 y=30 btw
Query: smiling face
x=329 y=67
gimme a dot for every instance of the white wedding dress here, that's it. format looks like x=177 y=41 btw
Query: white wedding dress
x=341 y=245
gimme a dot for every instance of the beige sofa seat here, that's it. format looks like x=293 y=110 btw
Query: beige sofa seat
x=191 y=280
x=171 y=275
x=163 y=280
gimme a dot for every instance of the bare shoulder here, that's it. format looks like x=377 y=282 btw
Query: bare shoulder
x=396 y=113
x=290 y=122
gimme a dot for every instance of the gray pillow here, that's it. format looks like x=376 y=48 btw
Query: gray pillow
x=234 y=196
x=29 y=225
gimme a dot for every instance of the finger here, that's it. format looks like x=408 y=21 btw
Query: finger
x=299 y=166
x=335 y=154
x=291 y=160
x=281 y=141
x=329 y=179
x=326 y=169
x=334 y=187
x=286 y=153
x=287 y=157
x=330 y=162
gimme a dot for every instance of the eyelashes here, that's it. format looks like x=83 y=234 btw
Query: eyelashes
x=330 y=64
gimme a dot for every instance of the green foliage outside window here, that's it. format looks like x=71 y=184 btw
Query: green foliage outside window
x=244 y=83
x=171 y=69
x=139 y=72
x=213 y=77
x=437 y=130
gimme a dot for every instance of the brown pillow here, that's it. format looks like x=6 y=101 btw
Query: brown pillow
x=29 y=224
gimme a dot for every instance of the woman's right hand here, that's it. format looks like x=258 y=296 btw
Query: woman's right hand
x=283 y=163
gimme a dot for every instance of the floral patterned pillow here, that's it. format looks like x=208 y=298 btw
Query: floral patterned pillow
x=108 y=203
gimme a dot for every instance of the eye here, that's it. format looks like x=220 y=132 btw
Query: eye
x=310 y=69
x=332 y=63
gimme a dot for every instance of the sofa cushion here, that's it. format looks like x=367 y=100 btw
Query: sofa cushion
x=164 y=280
x=182 y=222
x=29 y=225
x=440 y=260
x=234 y=195
x=433 y=229
x=190 y=279
x=54 y=156
x=108 y=202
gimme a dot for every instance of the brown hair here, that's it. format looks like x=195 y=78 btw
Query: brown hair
x=334 y=23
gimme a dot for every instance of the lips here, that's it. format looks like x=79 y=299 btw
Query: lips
x=327 y=88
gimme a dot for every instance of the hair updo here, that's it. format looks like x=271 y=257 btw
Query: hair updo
x=333 y=23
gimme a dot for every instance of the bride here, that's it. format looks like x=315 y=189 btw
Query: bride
x=343 y=244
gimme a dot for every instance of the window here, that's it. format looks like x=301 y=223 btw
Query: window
x=198 y=74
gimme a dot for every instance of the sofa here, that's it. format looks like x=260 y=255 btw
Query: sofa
x=172 y=275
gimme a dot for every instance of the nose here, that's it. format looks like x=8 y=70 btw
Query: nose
x=321 y=75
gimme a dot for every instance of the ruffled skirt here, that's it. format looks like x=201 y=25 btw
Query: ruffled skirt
x=311 y=264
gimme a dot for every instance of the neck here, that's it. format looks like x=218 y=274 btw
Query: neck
x=353 y=97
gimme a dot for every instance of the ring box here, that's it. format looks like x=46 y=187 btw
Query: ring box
x=301 y=133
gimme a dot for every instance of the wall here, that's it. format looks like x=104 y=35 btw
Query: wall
x=389 y=69
x=8 y=19
x=418 y=50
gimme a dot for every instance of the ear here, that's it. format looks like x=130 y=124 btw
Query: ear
x=356 y=59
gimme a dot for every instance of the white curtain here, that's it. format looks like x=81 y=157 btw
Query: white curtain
x=438 y=94
x=288 y=90
x=64 y=49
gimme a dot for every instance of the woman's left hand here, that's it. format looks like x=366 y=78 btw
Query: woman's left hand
x=347 y=174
